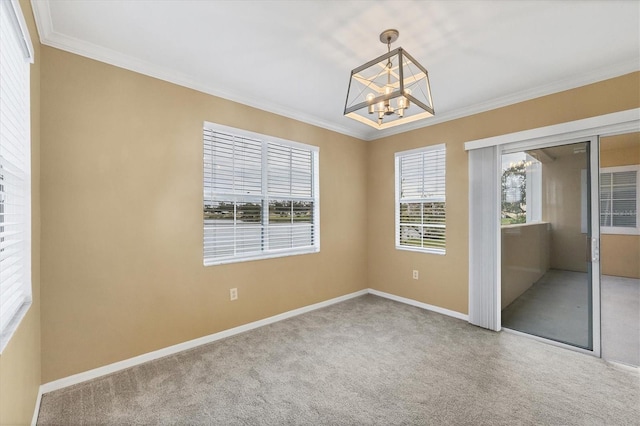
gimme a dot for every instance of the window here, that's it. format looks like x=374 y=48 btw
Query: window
x=15 y=175
x=261 y=196
x=420 y=199
x=521 y=189
x=619 y=200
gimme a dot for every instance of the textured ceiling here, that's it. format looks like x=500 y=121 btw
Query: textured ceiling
x=294 y=57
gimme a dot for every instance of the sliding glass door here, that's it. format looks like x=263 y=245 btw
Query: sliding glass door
x=549 y=242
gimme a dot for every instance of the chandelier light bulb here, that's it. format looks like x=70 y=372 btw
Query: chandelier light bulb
x=372 y=106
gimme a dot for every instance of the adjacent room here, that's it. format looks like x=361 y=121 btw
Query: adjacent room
x=545 y=272
x=315 y=212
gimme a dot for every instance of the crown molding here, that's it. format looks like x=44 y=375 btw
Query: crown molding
x=42 y=16
x=49 y=37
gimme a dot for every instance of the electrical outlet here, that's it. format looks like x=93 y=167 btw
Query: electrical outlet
x=233 y=293
x=415 y=274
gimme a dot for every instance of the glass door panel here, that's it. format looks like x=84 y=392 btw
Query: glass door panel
x=620 y=247
x=546 y=266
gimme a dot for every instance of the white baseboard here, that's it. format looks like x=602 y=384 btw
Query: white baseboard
x=170 y=350
x=150 y=356
x=36 y=410
x=422 y=305
x=623 y=367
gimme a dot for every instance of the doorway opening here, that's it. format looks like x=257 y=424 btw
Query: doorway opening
x=546 y=264
x=601 y=206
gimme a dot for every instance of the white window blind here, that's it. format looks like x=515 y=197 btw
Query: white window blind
x=619 y=199
x=15 y=163
x=260 y=196
x=421 y=200
x=291 y=201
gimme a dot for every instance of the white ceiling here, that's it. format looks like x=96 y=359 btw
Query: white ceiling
x=294 y=58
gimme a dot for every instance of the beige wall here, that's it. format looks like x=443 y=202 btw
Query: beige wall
x=620 y=254
x=525 y=258
x=121 y=241
x=20 y=360
x=444 y=279
x=561 y=207
x=122 y=238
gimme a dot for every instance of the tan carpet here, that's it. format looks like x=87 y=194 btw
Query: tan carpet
x=365 y=361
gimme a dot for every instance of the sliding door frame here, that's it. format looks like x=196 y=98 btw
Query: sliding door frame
x=594 y=209
x=589 y=129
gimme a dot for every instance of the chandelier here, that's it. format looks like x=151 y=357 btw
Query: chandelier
x=390 y=90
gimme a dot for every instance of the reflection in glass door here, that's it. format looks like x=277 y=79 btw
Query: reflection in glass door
x=547 y=286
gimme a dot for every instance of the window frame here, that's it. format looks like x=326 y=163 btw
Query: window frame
x=23 y=291
x=621 y=230
x=264 y=198
x=400 y=200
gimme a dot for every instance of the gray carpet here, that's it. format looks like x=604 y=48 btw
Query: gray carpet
x=364 y=361
x=621 y=319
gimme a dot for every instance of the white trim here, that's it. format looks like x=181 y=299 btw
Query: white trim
x=12 y=326
x=441 y=252
x=271 y=255
x=617 y=169
x=170 y=350
x=614 y=123
x=622 y=366
x=550 y=342
x=42 y=16
x=561 y=139
x=36 y=410
x=49 y=37
x=26 y=37
x=421 y=305
x=596 y=320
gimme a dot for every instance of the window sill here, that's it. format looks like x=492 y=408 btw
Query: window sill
x=619 y=231
x=272 y=255
x=11 y=328
x=441 y=252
